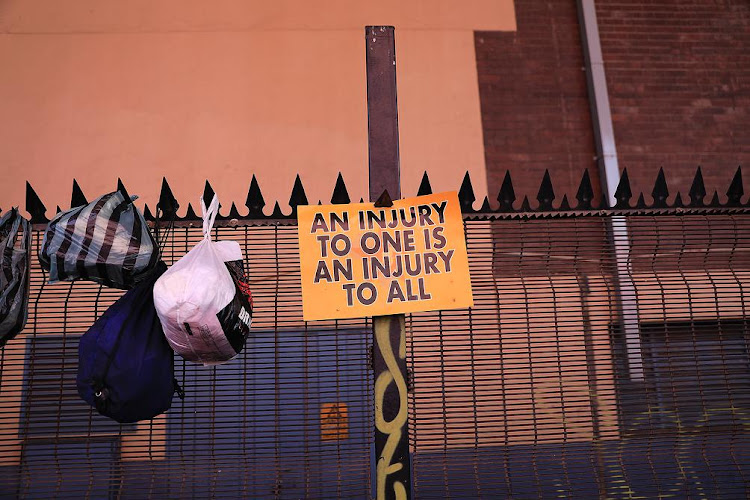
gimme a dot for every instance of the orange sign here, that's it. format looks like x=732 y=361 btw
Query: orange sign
x=357 y=260
x=334 y=421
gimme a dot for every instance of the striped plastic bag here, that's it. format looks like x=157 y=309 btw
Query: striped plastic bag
x=15 y=245
x=106 y=241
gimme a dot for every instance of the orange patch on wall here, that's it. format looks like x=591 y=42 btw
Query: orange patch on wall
x=334 y=421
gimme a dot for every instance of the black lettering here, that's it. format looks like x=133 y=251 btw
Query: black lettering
x=417 y=269
x=319 y=222
x=427 y=240
x=323 y=239
x=393 y=242
x=424 y=215
x=412 y=221
x=399 y=267
x=335 y=247
x=341 y=269
x=385 y=268
x=410 y=295
x=349 y=287
x=361 y=296
x=322 y=273
x=446 y=259
x=409 y=240
x=423 y=295
x=370 y=249
x=372 y=217
x=430 y=259
x=395 y=292
x=342 y=223
x=365 y=268
x=440 y=209
x=394 y=219
x=437 y=234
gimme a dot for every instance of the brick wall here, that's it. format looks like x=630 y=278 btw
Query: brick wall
x=535 y=110
x=678 y=73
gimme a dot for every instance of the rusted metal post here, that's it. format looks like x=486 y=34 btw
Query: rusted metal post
x=393 y=470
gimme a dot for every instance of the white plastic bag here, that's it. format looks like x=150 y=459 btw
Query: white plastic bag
x=203 y=300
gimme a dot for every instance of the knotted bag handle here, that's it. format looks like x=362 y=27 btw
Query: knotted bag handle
x=209 y=216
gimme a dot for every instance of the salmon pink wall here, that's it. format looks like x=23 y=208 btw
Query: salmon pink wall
x=223 y=90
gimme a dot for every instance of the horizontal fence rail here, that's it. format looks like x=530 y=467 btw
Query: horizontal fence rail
x=538 y=391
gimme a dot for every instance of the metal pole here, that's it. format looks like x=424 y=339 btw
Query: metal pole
x=392 y=469
x=609 y=173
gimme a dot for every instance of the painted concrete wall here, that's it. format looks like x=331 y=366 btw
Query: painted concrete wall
x=224 y=90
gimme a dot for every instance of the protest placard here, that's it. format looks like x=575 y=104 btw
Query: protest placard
x=357 y=260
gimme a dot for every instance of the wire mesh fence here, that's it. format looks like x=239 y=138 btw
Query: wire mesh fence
x=543 y=389
x=536 y=393
x=250 y=428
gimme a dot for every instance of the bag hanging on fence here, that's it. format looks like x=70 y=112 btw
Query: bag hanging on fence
x=15 y=244
x=204 y=301
x=106 y=241
x=125 y=365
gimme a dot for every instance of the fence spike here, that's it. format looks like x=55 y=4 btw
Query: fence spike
x=735 y=191
x=641 y=202
x=525 y=205
x=34 y=206
x=277 y=214
x=565 y=205
x=678 y=201
x=361 y=200
x=697 y=190
x=233 y=212
x=623 y=192
x=486 y=205
x=546 y=193
x=147 y=214
x=424 y=187
x=660 y=193
x=715 y=202
x=340 y=195
x=585 y=193
x=58 y=210
x=190 y=213
x=507 y=195
x=121 y=189
x=254 y=201
x=167 y=203
x=208 y=193
x=298 y=196
x=77 y=199
x=466 y=196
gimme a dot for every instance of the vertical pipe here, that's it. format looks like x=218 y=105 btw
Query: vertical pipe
x=392 y=467
x=609 y=174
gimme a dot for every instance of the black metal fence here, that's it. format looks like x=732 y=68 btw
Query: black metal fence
x=606 y=355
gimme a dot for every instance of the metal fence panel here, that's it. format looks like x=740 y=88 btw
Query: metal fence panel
x=537 y=391
x=250 y=428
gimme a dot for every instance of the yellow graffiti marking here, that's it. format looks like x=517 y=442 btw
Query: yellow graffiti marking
x=394 y=428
